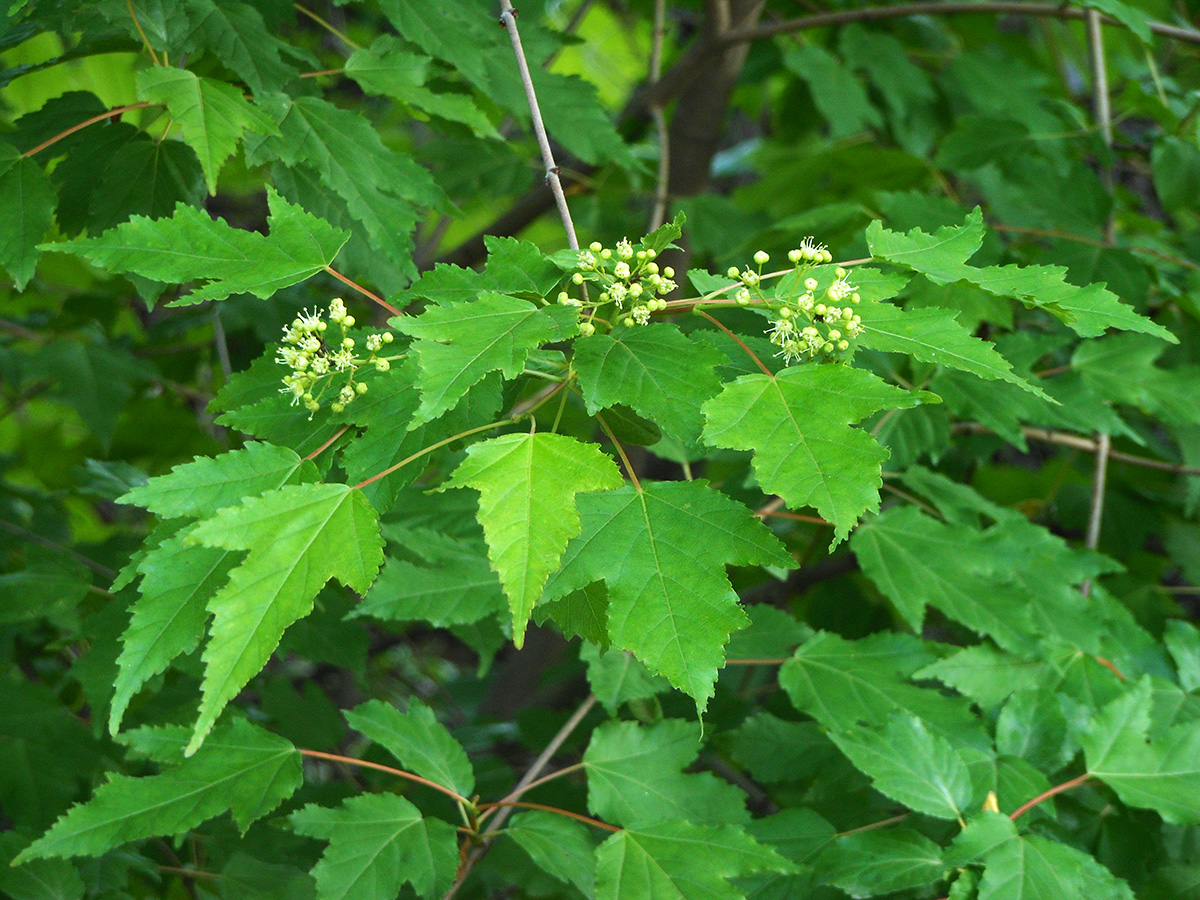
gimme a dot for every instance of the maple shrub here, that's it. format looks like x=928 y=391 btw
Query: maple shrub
x=780 y=482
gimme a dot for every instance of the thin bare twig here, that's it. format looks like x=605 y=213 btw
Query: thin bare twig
x=523 y=785
x=115 y=111
x=399 y=773
x=908 y=10
x=99 y=568
x=1099 y=480
x=508 y=18
x=659 y=214
x=1065 y=439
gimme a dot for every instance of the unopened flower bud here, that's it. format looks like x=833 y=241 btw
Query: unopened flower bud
x=761 y=257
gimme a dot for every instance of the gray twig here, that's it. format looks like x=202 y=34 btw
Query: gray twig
x=508 y=18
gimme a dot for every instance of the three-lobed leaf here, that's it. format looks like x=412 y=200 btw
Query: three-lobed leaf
x=377 y=842
x=798 y=425
x=662 y=552
x=242 y=769
x=910 y=764
x=678 y=860
x=527 y=485
x=213 y=115
x=458 y=344
x=299 y=537
x=418 y=740
x=656 y=370
x=190 y=246
x=942 y=258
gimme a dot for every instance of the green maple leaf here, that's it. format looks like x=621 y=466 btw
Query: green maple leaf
x=662 y=552
x=617 y=677
x=516 y=268
x=387 y=69
x=1159 y=771
x=840 y=683
x=299 y=537
x=1030 y=866
x=527 y=485
x=880 y=862
x=680 y=861
x=377 y=842
x=458 y=344
x=460 y=590
x=656 y=370
x=418 y=740
x=205 y=485
x=168 y=619
x=933 y=335
x=191 y=246
x=382 y=189
x=915 y=559
x=212 y=114
x=911 y=765
x=942 y=258
x=798 y=425
x=27 y=213
x=559 y=846
x=238 y=36
x=242 y=768
x=635 y=777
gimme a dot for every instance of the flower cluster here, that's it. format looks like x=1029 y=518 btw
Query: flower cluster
x=629 y=280
x=316 y=359
x=807 y=325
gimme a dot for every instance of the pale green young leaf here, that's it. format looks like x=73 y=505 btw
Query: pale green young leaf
x=386 y=69
x=1159 y=772
x=680 y=861
x=933 y=335
x=168 y=619
x=207 y=484
x=212 y=115
x=299 y=537
x=558 y=845
x=190 y=246
x=418 y=740
x=26 y=214
x=798 y=425
x=911 y=765
x=942 y=258
x=662 y=552
x=239 y=37
x=527 y=485
x=871 y=863
x=458 y=344
x=840 y=683
x=242 y=769
x=635 y=777
x=377 y=842
x=656 y=370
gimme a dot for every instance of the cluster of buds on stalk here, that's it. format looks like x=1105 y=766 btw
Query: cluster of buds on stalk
x=317 y=359
x=629 y=280
x=808 y=325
